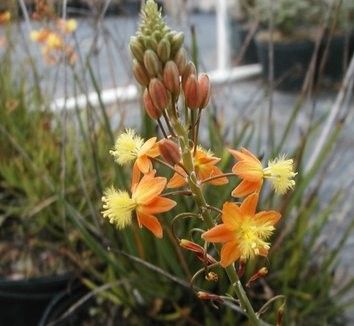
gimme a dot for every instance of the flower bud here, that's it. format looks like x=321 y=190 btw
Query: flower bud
x=191 y=92
x=152 y=63
x=164 y=49
x=181 y=60
x=198 y=250
x=177 y=41
x=203 y=90
x=170 y=151
x=140 y=73
x=152 y=111
x=157 y=36
x=150 y=43
x=261 y=273
x=159 y=94
x=188 y=70
x=136 y=49
x=280 y=314
x=171 y=77
x=208 y=296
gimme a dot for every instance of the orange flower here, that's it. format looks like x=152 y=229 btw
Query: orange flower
x=204 y=164
x=145 y=201
x=279 y=171
x=250 y=170
x=5 y=17
x=243 y=231
x=130 y=147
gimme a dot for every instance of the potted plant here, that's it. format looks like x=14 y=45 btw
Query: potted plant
x=243 y=26
x=36 y=239
x=337 y=46
x=292 y=42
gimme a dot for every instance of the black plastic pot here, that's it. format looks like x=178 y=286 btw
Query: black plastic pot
x=291 y=61
x=23 y=302
x=238 y=34
x=338 y=55
x=56 y=311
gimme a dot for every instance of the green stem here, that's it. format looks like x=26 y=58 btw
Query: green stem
x=203 y=207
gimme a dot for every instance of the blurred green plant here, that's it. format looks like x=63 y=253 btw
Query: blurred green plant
x=288 y=16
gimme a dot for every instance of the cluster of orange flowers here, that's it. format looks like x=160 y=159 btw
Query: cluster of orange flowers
x=243 y=231
x=160 y=66
x=52 y=38
x=53 y=41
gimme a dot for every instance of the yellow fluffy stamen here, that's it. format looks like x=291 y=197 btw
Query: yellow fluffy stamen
x=54 y=41
x=127 y=147
x=281 y=173
x=118 y=207
x=70 y=26
x=251 y=237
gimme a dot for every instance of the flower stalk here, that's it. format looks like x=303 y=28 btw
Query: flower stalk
x=203 y=208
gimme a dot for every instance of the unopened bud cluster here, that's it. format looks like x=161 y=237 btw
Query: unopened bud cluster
x=160 y=65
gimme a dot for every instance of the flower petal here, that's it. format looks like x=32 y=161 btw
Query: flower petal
x=177 y=180
x=147 y=146
x=231 y=215
x=244 y=154
x=219 y=233
x=208 y=171
x=230 y=252
x=248 y=170
x=158 y=205
x=135 y=177
x=249 y=205
x=246 y=187
x=148 y=189
x=219 y=181
x=154 y=151
x=144 y=164
x=151 y=223
x=270 y=217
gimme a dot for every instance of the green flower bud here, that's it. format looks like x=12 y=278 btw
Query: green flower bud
x=164 y=49
x=150 y=43
x=157 y=36
x=136 y=48
x=152 y=63
x=177 y=41
x=181 y=60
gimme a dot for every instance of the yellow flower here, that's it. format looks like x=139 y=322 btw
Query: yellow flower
x=40 y=36
x=281 y=173
x=244 y=233
x=129 y=147
x=5 y=17
x=67 y=26
x=54 y=41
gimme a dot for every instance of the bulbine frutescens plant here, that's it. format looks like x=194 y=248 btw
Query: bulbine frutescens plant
x=175 y=97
